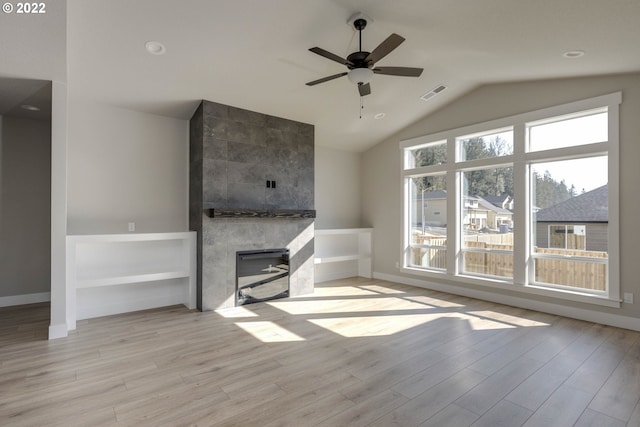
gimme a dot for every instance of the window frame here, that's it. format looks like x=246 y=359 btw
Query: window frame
x=521 y=161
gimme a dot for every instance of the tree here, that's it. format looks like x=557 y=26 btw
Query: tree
x=548 y=191
x=430 y=155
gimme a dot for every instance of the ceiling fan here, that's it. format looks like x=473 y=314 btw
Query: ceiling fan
x=361 y=64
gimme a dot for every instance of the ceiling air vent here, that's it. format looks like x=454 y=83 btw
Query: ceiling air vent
x=433 y=92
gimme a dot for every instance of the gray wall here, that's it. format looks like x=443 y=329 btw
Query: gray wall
x=337 y=189
x=125 y=166
x=381 y=193
x=597 y=235
x=25 y=206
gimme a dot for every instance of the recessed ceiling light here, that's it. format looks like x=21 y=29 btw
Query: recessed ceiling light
x=155 y=48
x=29 y=107
x=379 y=116
x=573 y=54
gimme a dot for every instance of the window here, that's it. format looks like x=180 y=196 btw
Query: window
x=572 y=237
x=487 y=231
x=525 y=202
x=586 y=127
x=428 y=246
x=571 y=196
x=428 y=155
x=486 y=145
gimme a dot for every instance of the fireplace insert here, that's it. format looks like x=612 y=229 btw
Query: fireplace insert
x=261 y=275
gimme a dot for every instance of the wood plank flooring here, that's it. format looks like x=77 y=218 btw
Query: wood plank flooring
x=358 y=352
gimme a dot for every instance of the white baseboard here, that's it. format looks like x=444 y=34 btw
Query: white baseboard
x=616 y=320
x=25 y=299
x=58 y=331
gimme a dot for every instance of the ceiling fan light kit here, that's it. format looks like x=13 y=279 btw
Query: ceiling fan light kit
x=361 y=64
x=360 y=75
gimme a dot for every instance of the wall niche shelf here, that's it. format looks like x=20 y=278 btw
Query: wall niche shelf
x=116 y=273
x=342 y=253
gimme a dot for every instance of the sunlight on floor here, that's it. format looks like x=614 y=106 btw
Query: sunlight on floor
x=375 y=326
x=372 y=310
x=234 y=312
x=350 y=305
x=482 y=324
x=382 y=289
x=269 y=332
x=341 y=291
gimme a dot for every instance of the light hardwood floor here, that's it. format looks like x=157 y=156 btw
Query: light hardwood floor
x=358 y=352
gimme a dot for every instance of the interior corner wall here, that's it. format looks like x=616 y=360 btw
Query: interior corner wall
x=125 y=166
x=25 y=225
x=381 y=181
x=337 y=189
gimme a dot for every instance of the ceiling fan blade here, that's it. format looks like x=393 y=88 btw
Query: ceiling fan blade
x=399 y=71
x=329 y=55
x=364 y=89
x=385 y=48
x=326 y=79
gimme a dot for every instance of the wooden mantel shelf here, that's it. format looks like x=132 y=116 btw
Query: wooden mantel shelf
x=260 y=213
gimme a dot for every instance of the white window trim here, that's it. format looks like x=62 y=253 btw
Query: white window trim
x=520 y=159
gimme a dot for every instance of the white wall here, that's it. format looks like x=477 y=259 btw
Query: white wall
x=381 y=167
x=337 y=189
x=125 y=166
x=25 y=222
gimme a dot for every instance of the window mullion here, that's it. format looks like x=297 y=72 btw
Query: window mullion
x=613 y=278
x=453 y=215
x=521 y=208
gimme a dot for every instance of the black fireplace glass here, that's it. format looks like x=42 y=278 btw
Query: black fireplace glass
x=261 y=275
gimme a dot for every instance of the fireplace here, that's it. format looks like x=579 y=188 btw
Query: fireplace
x=261 y=275
x=251 y=187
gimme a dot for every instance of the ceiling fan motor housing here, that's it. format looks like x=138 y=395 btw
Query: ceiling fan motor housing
x=357 y=60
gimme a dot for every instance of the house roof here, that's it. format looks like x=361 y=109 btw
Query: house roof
x=496 y=200
x=482 y=202
x=592 y=206
x=497 y=209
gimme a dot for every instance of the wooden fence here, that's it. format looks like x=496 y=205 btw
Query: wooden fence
x=576 y=274
x=494 y=264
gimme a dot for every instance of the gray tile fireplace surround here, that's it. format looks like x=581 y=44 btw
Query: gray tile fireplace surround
x=233 y=153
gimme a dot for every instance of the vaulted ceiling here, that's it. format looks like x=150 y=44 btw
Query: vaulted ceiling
x=254 y=54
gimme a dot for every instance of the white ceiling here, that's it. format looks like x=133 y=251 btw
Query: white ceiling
x=254 y=54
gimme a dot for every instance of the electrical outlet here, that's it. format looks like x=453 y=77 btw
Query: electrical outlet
x=132 y=226
x=397 y=264
x=628 y=298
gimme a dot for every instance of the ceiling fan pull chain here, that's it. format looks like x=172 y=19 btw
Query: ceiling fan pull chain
x=361 y=107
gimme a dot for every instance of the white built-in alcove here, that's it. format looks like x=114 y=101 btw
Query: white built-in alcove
x=117 y=273
x=342 y=253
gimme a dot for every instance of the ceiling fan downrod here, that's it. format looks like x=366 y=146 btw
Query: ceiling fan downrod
x=360 y=24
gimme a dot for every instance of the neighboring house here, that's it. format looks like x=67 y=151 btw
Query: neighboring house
x=478 y=212
x=578 y=223
x=503 y=201
x=435 y=209
x=497 y=216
